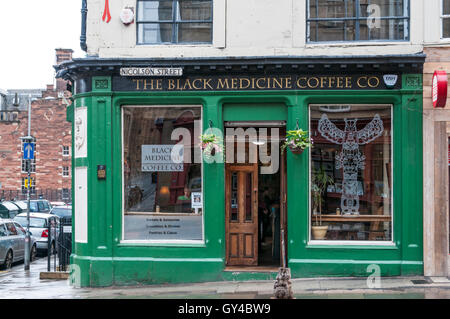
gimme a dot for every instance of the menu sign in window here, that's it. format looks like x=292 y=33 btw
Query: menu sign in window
x=164 y=227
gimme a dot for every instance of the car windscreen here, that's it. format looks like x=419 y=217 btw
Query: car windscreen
x=62 y=212
x=34 y=221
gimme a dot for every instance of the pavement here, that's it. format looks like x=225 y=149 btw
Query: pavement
x=18 y=284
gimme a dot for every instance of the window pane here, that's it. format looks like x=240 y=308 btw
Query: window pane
x=155 y=10
x=351 y=175
x=332 y=31
x=194 y=10
x=446 y=28
x=332 y=9
x=234 y=198
x=446 y=7
x=11 y=229
x=385 y=8
x=160 y=179
x=248 y=196
x=194 y=32
x=3 y=232
x=155 y=33
x=389 y=29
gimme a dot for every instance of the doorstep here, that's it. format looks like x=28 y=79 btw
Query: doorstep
x=54 y=275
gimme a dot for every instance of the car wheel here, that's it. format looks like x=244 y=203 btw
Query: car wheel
x=8 y=260
x=33 y=253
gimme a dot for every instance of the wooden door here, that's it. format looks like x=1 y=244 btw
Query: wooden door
x=241 y=226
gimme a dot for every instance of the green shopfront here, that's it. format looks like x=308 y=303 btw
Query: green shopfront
x=151 y=208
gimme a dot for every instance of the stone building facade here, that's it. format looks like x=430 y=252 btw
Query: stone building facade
x=51 y=170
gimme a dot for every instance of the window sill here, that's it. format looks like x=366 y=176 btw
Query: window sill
x=357 y=43
x=173 y=45
x=340 y=244
x=160 y=243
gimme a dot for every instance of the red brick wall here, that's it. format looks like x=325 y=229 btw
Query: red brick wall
x=52 y=132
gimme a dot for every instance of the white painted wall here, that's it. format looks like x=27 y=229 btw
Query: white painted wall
x=81 y=207
x=433 y=25
x=245 y=28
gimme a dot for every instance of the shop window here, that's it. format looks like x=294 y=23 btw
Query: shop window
x=357 y=20
x=445 y=18
x=162 y=173
x=174 y=21
x=351 y=172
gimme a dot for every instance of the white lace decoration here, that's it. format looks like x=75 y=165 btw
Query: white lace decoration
x=350 y=158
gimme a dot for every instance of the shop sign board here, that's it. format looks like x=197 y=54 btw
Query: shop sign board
x=162 y=158
x=439 y=88
x=139 y=82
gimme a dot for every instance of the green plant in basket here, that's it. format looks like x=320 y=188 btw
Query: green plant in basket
x=297 y=141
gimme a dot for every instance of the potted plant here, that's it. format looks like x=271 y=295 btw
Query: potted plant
x=320 y=180
x=297 y=141
x=211 y=145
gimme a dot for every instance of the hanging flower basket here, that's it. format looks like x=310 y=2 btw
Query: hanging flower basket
x=296 y=150
x=297 y=141
x=211 y=145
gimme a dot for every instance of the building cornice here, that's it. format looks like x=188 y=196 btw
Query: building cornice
x=91 y=66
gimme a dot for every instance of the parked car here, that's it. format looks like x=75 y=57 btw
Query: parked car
x=39 y=227
x=22 y=205
x=62 y=211
x=12 y=243
x=39 y=205
x=8 y=209
x=57 y=204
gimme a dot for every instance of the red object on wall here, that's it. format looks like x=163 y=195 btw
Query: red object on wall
x=106 y=13
x=439 y=88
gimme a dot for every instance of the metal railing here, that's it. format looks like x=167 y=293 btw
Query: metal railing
x=52 y=195
x=59 y=245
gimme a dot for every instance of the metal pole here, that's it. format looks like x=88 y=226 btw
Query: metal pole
x=27 y=236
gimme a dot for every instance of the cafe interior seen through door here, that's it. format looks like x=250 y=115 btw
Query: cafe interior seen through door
x=255 y=194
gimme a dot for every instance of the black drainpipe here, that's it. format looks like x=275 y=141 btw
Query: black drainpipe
x=83 y=25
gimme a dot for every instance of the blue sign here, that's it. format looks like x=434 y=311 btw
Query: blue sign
x=28 y=151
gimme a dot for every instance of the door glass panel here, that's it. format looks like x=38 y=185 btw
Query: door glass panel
x=248 y=197
x=234 y=198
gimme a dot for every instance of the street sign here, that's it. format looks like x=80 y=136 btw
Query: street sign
x=28 y=151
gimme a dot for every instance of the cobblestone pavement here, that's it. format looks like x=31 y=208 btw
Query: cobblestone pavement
x=16 y=284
